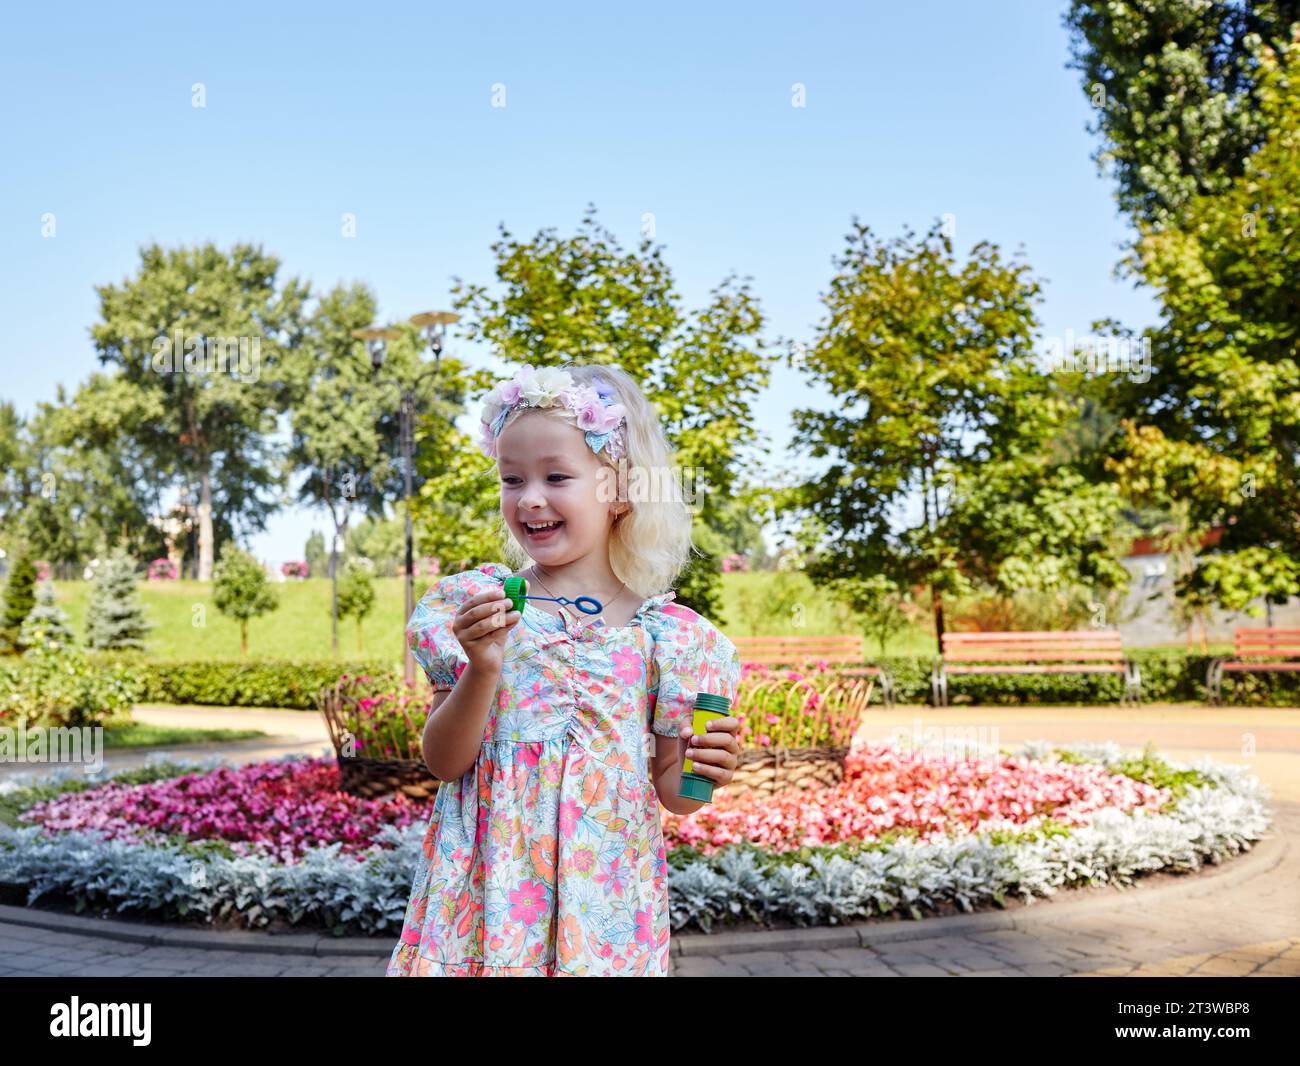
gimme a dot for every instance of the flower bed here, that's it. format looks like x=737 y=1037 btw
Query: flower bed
x=273 y=809
x=901 y=835
x=925 y=794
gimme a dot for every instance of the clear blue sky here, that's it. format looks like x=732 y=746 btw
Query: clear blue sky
x=680 y=110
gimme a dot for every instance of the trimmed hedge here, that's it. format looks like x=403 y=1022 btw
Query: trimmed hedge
x=251 y=682
x=1168 y=676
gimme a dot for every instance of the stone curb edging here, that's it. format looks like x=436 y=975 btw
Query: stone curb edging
x=171 y=936
x=1263 y=856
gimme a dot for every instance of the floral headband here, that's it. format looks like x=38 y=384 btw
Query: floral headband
x=592 y=407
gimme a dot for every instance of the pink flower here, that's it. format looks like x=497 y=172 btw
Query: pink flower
x=528 y=902
x=270 y=809
x=628 y=666
x=929 y=795
x=507 y=393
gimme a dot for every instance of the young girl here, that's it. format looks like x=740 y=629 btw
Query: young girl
x=544 y=854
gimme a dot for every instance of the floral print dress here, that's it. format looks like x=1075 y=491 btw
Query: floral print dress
x=547 y=858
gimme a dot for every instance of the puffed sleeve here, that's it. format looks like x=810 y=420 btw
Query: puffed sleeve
x=691 y=655
x=429 y=633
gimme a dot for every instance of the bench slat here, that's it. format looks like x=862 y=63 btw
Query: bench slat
x=845 y=640
x=1044 y=654
x=1046 y=668
x=1046 y=636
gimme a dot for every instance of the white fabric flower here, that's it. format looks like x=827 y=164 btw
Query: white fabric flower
x=542 y=389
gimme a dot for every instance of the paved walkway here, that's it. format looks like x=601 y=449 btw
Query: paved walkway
x=287 y=732
x=1241 y=918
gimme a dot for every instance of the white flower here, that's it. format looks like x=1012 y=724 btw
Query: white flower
x=545 y=386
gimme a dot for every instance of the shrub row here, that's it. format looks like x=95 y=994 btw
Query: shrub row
x=251 y=682
x=1168 y=676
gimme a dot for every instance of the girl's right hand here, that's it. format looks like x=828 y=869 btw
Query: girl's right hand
x=481 y=626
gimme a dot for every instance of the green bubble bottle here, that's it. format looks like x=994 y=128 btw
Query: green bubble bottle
x=707 y=707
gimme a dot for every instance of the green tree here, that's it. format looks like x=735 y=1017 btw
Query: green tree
x=315 y=555
x=201 y=334
x=346 y=418
x=585 y=298
x=356 y=595
x=88 y=487
x=47 y=625
x=740 y=526
x=20 y=598
x=879 y=605
x=12 y=460
x=1176 y=88
x=240 y=589
x=457 y=506
x=115 y=617
x=1217 y=428
x=939 y=399
x=382 y=541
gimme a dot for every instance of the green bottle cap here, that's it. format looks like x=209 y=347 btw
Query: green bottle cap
x=709 y=701
x=696 y=787
x=517 y=589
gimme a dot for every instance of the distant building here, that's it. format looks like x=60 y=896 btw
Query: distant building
x=1148 y=620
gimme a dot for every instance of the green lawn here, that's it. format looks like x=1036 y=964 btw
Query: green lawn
x=300 y=627
x=140 y=735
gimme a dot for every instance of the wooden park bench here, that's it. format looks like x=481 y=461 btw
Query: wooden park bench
x=1092 y=651
x=1255 y=651
x=843 y=654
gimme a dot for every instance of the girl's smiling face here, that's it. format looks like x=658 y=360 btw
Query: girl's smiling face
x=549 y=477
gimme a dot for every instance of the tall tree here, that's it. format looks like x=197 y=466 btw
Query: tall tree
x=584 y=297
x=938 y=396
x=12 y=460
x=1217 y=426
x=315 y=554
x=202 y=334
x=345 y=418
x=19 y=599
x=90 y=487
x=1175 y=84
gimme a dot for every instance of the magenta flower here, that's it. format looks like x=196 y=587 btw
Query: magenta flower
x=272 y=809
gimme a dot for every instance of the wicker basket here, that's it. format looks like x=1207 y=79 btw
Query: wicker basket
x=365 y=777
x=777 y=768
x=765 y=773
x=376 y=778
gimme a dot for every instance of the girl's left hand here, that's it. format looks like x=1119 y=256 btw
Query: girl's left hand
x=714 y=754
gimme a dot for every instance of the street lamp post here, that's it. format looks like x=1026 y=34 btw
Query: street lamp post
x=433 y=325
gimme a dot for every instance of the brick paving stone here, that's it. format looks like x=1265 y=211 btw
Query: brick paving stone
x=708 y=966
x=921 y=970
